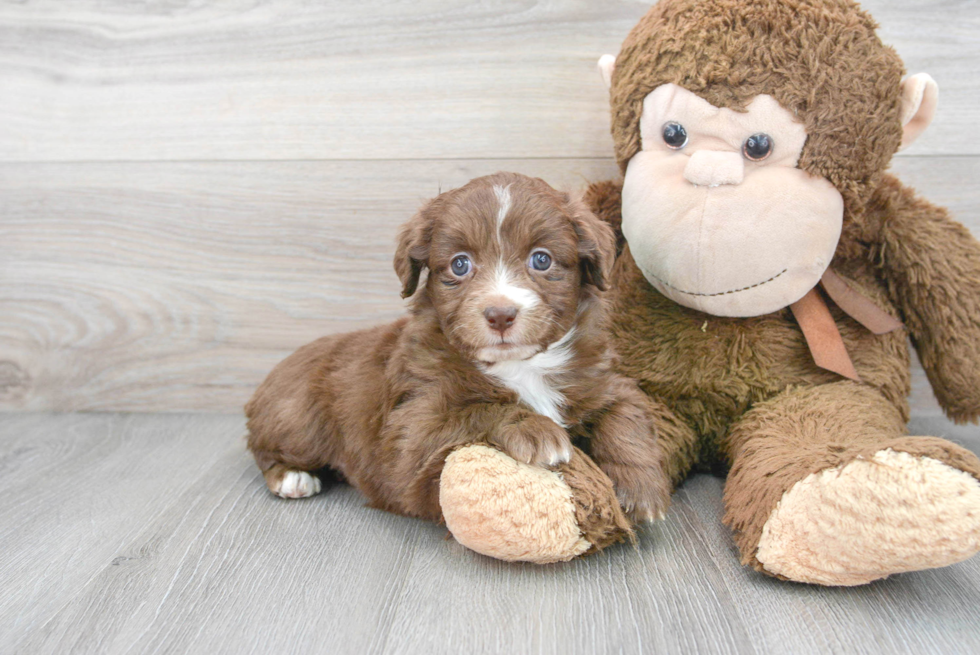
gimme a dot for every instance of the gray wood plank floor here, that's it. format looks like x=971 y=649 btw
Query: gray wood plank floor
x=150 y=533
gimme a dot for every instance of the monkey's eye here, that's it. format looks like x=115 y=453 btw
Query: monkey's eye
x=757 y=147
x=675 y=136
x=540 y=260
x=460 y=265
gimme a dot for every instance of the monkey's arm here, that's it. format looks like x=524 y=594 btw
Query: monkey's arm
x=931 y=264
x=605 y=199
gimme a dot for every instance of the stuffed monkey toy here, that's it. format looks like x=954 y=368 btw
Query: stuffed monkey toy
x=770 y=275
x=772 y=272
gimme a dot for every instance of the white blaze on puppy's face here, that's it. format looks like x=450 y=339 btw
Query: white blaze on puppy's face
x=503 y=206
x=520 y=297
x=717 y=222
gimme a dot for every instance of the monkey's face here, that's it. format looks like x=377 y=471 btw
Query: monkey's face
x=717 y=215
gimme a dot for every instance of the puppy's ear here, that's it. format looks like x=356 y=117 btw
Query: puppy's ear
x=412 y=253
x=596 y=245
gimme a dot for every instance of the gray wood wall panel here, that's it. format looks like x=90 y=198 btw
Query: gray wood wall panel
x=189 y=191
x=120 y=80
x=177 y=286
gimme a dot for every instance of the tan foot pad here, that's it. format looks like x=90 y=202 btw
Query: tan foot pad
x=893 y=513
x=503 y=508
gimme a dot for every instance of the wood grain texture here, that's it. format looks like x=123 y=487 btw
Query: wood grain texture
x=280 y=80
x=75 y=490
x=213 y=563
x=178 y=286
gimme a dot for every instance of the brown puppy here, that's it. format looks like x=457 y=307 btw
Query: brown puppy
x=504 y=345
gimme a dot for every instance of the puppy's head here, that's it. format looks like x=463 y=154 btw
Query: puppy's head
x=510 y=260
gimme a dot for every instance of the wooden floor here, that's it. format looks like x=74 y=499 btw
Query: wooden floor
x=129 y=533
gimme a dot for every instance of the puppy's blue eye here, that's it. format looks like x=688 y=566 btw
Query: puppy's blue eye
x=460 y=265
x=540 y=261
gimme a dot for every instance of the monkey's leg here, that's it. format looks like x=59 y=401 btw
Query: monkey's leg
x=826 y=489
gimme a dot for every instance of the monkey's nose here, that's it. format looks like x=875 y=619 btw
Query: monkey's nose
x=500 y=318
x=714 y=168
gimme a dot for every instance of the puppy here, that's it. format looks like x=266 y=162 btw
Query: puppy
x=504 y=345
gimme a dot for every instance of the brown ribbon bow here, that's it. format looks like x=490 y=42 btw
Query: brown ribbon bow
x=820 y=330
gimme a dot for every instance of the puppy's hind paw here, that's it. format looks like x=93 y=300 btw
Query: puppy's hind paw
x=296 y=484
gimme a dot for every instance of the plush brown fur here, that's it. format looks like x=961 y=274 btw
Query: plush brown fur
x=745 y=392
x=805 y=430
x=597 y=510
x=384 y=407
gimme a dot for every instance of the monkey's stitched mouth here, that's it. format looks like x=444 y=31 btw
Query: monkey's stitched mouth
x=711 y=295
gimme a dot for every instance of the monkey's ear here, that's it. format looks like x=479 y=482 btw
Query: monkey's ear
x=596 y=245
x=412 y=252
x=920 y=94
x=607 y=64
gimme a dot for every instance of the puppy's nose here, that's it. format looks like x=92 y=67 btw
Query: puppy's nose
x=500 y=318
x=713 y=168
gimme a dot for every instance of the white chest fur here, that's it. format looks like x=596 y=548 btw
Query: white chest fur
x=533 y=379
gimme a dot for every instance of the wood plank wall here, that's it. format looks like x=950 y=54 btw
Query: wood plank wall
x=191 y=190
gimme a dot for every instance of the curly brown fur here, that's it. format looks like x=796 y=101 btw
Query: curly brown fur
x=384 y=407
x=597 y=510
x=930 y=265
x=709 y=370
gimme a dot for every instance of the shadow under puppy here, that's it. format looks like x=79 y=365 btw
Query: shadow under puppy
x=505 y=345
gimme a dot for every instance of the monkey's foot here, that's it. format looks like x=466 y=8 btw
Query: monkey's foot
x=870 y=518
x=513 y=511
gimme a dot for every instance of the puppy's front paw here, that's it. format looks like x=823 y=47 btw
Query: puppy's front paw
x=535 y=440
x=289 y=483
x=642 y=494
